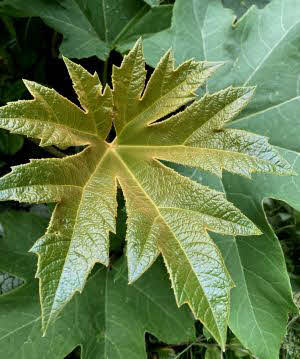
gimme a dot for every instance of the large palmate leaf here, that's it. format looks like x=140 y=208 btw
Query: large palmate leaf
x=167 y=213
x=108 y=320
x=270 y=60
x=261 y=299
x=94 y=27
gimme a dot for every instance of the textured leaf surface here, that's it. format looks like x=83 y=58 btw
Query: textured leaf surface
x=167 y=213
x=261 y=299
x=254 y=55
x=187 y=39
x=109 y=320
x=258 y=268
x=274 y=115
x=272 y=67
x=94 y=27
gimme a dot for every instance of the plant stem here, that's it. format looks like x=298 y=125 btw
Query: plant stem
x=54 y=51
x=192 y=344
x=184 y=351
x=105 y=72
x=292 y=321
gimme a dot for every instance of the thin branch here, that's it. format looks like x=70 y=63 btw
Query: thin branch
x=293 y=320
x=105 y=72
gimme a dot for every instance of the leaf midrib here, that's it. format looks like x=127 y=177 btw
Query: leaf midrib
x=247 y=292
x=88 y=20
x=125 y=29
x=20 y=328
x=75 y=221
x=54 y=124
x=139 y=15
x=175 y=208
x=159 y=215
x=139 y=114
x=265 y=58
x=156 y=155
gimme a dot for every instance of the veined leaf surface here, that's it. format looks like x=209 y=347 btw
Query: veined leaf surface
x=94 y=27
x=107 y=320
x=270 y=60
x=168 y=214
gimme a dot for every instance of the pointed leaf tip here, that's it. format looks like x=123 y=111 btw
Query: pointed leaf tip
x=167 y=213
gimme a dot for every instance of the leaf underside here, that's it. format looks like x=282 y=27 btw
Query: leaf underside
x=168 y=214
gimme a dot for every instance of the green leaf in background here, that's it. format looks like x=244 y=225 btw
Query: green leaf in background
x=261 y=300
x=254 y=55
x=108 y=320
x=95 y=27
x=238 y=351
x=11 y=90
x=186 y=34
x=152 y=2
x=213 y=353
x=241 y=6
x=273 y=66
x=21 y=229
x=10 y=144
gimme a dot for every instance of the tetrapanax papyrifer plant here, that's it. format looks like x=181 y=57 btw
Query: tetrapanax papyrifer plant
x=168 y=214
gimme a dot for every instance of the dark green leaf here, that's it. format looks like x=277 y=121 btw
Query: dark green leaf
x=95 y=27
x=10 y=144
x=109 y=320
x=21 y=230
x=269 y=59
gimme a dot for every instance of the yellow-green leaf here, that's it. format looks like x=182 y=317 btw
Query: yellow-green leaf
x=168 y=214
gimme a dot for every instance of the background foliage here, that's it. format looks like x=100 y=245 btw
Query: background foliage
x=33 y=34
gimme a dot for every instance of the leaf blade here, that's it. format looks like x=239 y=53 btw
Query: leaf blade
x=87 y=317
x=84 y=187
